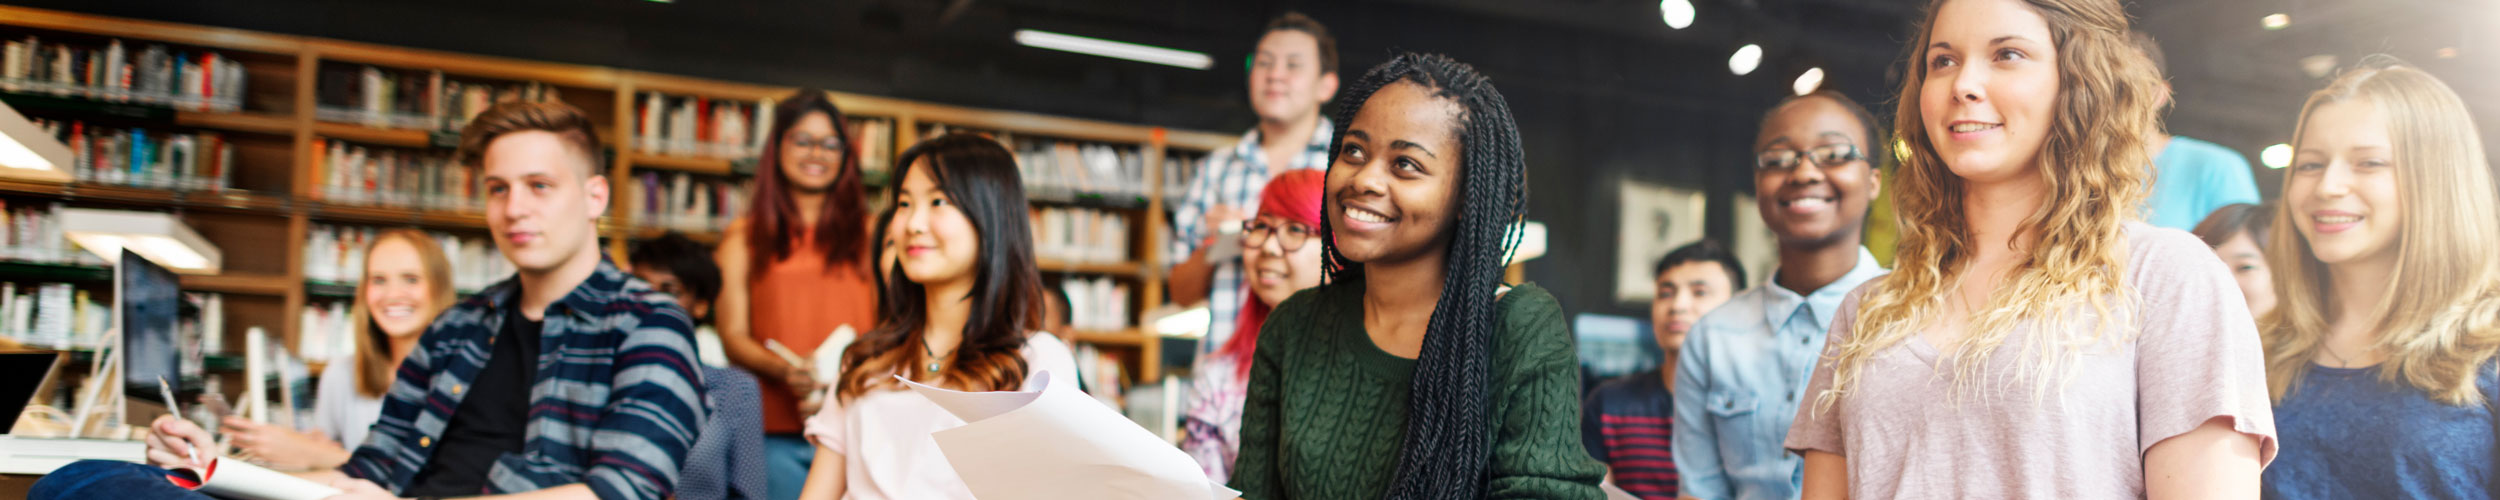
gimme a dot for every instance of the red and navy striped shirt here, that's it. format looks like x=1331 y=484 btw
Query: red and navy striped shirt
x=1628 y=423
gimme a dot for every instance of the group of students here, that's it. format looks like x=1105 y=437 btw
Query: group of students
x=2034 y=339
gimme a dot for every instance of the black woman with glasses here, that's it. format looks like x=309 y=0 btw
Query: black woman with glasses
x=794 y=269
x=1743 y=367
x=1280 y=255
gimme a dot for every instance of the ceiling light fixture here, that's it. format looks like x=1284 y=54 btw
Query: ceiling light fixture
x=1806 y=83
x=2276 y=156
x=160 y=237
x=27 y=153
x=2276 y=21
x=1114 y=49
x=1746 y=59
x=1677 y=13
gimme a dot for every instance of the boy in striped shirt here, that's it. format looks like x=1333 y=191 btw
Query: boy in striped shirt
x=1628 y=423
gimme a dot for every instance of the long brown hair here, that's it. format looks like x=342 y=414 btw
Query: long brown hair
x=2094 y=164
x=2439 y=321
x=841 y=224
x=979 y=177
x=373 y=346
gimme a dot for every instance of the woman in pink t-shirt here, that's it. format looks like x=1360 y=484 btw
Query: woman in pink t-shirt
x=2035 y=340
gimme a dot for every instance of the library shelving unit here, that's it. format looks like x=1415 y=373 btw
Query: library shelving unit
x=339 y=134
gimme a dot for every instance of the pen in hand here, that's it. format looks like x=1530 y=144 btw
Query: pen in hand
x=173 y=407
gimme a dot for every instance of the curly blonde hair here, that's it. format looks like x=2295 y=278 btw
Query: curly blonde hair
x=2440 y=318
x=2094 y=164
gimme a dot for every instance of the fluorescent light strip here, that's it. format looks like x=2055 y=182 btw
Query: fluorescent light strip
x=1113 y=49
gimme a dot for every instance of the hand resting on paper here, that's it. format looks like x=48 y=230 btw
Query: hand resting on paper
x=285 y=449
x=172 y=442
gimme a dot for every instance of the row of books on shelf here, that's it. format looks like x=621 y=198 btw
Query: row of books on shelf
x=155 y=74
x=411 y=99
x=1065 y=170
x=1097 y=304
x=327 y=332
x=159 y=159
x=1070 y=234
x=64 y=316
x=1101 y=374
x=875 y=140
x=31 y=232
x=428 y=179
x=677 y=125
x=1180 y=169
x=685 y=202
x=336 y=254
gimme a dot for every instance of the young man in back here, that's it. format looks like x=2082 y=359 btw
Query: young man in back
x=1292 y=73
x=570 y=380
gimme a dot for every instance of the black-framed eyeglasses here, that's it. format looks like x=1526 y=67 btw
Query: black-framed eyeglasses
x=1828 y=155
x=830 y=144
x=1291 y=236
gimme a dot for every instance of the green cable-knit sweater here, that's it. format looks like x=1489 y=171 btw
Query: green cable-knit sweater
x=1326 y=414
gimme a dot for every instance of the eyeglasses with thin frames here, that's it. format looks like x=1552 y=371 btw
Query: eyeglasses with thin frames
x=829 y=144
x=1825 y=156
x=1254 y=234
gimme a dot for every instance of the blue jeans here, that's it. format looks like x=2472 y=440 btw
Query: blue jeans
x=109 y=479
x=786 y=457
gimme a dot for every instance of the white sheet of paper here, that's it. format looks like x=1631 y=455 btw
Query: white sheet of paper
x=237 y=479
x=1053 y=442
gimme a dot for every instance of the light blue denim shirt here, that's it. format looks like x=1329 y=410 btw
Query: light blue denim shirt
x=1737 y=383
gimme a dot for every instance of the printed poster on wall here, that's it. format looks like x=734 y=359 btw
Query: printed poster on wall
x=1656 y=219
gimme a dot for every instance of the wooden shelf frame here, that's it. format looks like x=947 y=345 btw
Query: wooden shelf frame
x=301 y=206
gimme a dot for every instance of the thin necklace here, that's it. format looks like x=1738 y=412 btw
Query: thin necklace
x=933 y=357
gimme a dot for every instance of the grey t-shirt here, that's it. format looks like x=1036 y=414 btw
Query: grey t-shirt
x=2193 y=355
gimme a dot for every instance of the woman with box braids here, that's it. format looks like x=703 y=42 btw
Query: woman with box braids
x=1438 y=382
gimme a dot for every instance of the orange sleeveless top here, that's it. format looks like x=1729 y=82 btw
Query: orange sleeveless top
x=798 y=301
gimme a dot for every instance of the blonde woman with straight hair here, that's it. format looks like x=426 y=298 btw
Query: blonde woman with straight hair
x=2379 y=356
x=406 y=282
x=2035 y=340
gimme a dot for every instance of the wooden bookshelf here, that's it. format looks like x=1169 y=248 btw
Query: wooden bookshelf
x=1132 y=269
x=284 y=200
x=689 y=164
x=374 y=136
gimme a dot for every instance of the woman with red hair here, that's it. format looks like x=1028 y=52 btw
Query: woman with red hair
x=1280 y=256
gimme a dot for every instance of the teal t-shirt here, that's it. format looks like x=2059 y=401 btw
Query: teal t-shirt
x=2191 y=178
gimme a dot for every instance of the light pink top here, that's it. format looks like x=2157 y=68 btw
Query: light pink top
x=884 y=436
x=2194 y=355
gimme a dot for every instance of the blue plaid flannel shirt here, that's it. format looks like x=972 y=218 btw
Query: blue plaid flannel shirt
x=616 y=406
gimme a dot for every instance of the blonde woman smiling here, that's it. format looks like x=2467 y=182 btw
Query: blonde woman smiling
x=2379 y=356
x=2034 y=340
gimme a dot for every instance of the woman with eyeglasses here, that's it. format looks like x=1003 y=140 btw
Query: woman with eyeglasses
x=1280 y=256
x=795 y=269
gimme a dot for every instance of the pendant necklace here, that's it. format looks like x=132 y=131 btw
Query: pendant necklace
x=933 y=357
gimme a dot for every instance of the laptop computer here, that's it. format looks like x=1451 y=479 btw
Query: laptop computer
x=23 y=374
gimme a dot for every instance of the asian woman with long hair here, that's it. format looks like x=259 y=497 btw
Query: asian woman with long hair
x=965 y=309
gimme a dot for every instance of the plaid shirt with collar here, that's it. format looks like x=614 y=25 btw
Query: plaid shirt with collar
x=1233 y=177
x=616 y=406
